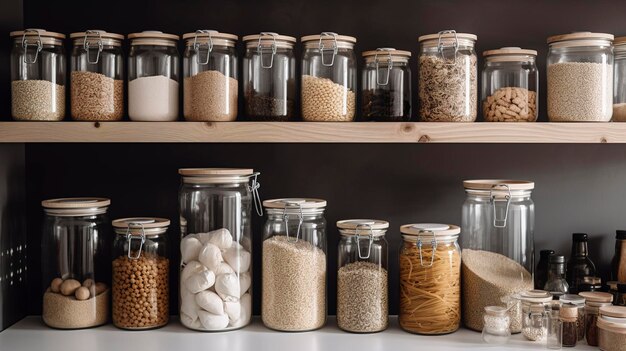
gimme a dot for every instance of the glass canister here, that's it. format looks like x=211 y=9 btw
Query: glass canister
x=294 y=264
x=580 y=77
x=496 y=322
x=498 y=247
x=211 y=86
x=140 y=273
x=38 y=75
x=430 y=279
x=579 y=302
x=612 y=329
x=557 y=284
x=619 y=80
x=215 y=207
x=534 y=307
x=269 y=77
x=328 y=92
x=448 y=84
x=97 y=76
x=153 y=76
x=75 y=262
x=510 y=84
x=362 y=277
x=594 y=300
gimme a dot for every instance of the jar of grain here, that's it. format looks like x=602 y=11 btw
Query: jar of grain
x=497 y=322
x=619 y=80
x=510 y=84
x=75 y=262
x=269 y=74
x=328 y=78
x=430 y=279
x=97 y=76
x=294 y=265
x=534 y=307
x=593 y=302
x=498 y=224
x=362 y=293
x=210 y=86
x=153 y=76
x=612 y=328
x=140 y=273
x=580 y=77
x=386 y=85
x=38 y=75
x=448 y=85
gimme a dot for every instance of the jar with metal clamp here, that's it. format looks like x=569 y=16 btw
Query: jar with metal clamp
x=534 y=307
x=294 y=264
x=140 y=273
x=430 y=279
x=362 y=280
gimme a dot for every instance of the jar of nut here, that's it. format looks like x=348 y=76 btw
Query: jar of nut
x=140 y=273
x=510 y=83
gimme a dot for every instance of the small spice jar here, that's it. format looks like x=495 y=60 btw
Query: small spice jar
x=554 y=340
x=386 y=85
x=612 y=329
x=569 y=317
x=496 y=325
x=38 y=75
x=579 y=302
x=534 y=304
x=97 y=76
x=593 y=302
x=619 y=80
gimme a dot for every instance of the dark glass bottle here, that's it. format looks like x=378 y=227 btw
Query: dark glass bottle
x=556 y=284
x=620 y=300
x=579 y=265
x=541 y=273
x=618 y=266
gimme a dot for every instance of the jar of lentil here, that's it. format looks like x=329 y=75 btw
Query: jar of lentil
x=97 y=76
x=362 y=279
x=38 y=75
x=269 y=74
x=328 y=92
x=580 y=77
x=448 y=85
x=510 y=84
x=534 y=304
x=211 y=86
x=294 y=265
x=593 y=302
x=579 y=302
x=430 y=279
x=612 y=329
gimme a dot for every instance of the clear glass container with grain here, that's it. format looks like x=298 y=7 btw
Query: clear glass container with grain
x=496 y=325
x=594 y=300
x=534 y=306
x=612 y=328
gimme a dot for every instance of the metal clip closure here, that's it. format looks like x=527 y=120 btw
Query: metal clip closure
x=334 y=48
x=26 y=44
x=209 y=45
x=358 y=239
x=500 y=205
x=441 y=47
x=433 y=244
x=389 y=66
x=286 y=219
x=273 y=48
x=86 y=45
x=129 y=239
x=256 y=198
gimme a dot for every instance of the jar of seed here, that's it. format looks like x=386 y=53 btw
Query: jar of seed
x=496 y=325
x=534 y=304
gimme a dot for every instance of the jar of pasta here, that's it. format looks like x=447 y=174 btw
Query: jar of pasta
x=430 y=279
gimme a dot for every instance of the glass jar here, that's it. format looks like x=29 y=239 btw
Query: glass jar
x=328 y=92
x=556 y=284
x=496 y=325
x=153 y=76
x=619 y=80
x=612 y=329
x=294 y=265
x=269 y=75
x=386 y=85
x=580 y=77
x=569 y=317
x=38 y=75
x=618 y=263
x=593 y=302
x=97 y=76
x=498 y=247
x=430 y=279
x=75 y=262
x=448 y=85
x=211 y=86
x=534 y=306
x=215 y=207
x=510 y=82
x=579 y=265
x=579 y=302
x=362 y=279
x=140 y=273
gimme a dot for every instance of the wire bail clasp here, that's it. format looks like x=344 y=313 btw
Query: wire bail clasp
x=26 y=44
x=197 y=45
x=286 y=219
x=367 y=226
x=389 y=65
x=272 y=48
x=441 y=47
x=334 y=48
x=500 y=205
x=420 y=244
x=129 y=239
x=256 y=198
x=87 y=45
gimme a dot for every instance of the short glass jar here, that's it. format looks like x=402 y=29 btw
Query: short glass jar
x=612 y=329
x=593 y=302
x=579 y=302
x=496 y=325
x=534 y=304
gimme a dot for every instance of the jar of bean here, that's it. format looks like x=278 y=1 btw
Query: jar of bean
x=594 y=300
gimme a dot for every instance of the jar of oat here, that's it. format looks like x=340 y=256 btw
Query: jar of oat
x=210 y=87
x=534 y=307
x=97 y=76
x=140 y=273
x=510 y=83
x=362 y=280
x=580 y=77
x=294 y=265
x=38 y=75
x=386 y=85
x=75 y=262
x=269 y=74
x=612 y=328
x=328 y=90
x=619 y=80
x=448 y=84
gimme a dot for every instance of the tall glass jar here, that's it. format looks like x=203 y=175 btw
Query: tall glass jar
x=140 y=273
x=580 y=77
x=38 y=75
x=386 y=85
x=430 y=279
x=211 y=86
x=328 y=92
x=215 y=207
x=269 y=74
x=510 y=85
x=362 y=276
x=153 y=76
x=97 y=76
x=535 y=305
x=294 y=264
x=498 y=247
x=448 y=84
x=75 y=264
